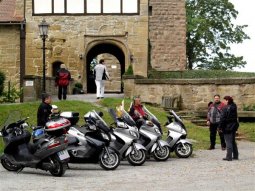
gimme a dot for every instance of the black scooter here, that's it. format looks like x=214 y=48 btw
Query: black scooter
x=47 y=154
x=90 y=144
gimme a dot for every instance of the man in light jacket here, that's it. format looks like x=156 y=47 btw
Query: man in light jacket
x=101 y=75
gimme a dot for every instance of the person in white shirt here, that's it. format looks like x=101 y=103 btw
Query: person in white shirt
x=101 y=75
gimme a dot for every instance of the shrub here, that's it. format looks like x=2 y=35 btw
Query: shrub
x=78 y=85
x=129 y=70
x=2 y=79
x=10 y=96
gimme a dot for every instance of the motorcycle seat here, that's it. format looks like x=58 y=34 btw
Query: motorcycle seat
x=72 y=140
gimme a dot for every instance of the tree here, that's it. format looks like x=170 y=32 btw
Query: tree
x=210 y=32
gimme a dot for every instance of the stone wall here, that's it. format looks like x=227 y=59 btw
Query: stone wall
x=70 y=36
x=195 y=94
x=167 y=34
x=10 y=53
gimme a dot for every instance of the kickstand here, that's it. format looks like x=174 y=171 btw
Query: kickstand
x=20 y=170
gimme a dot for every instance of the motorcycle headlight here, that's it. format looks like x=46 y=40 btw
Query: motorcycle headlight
x=105 y=136
x=134 y=134
x=157 y=131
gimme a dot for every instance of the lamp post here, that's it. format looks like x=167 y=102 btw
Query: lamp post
x=43 y=29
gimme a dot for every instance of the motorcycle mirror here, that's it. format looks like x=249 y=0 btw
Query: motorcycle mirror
x=100 y=113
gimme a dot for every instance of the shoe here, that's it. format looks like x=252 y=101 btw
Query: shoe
x=223 y=148
x=211 y=148
x=235 y=158
x=227 y=159
x=98 y=97
x=101 y=97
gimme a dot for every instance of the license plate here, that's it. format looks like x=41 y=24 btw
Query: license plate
x=63 y=155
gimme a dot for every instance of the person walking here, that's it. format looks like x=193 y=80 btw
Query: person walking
x=63 y=78
x=229 y=125
x=101 y=75
x=44 y=110
x=213 y=121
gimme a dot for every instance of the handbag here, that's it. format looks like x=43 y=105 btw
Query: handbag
x=104 y=77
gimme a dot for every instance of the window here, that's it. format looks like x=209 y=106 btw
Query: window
x=75 y=6
x=59 y=6
x=93 y=6
x=111 y=6
x=130 y=6
x=85 y=7
x=42 y=6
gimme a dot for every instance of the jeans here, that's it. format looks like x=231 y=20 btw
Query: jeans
x=231 y=145
x=62 y=90
x=213 y=133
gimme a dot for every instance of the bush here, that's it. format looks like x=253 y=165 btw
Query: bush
x=129 y=70
x=196 y=74
x=2 y=79
x=78 y=88
x=78 y=85
x=10 y=96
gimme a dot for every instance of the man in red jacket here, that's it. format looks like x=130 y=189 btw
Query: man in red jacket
x=213 y=121
x=63 y=78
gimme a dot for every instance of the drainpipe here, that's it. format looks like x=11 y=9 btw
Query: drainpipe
x=22 y=56
x=23 y=51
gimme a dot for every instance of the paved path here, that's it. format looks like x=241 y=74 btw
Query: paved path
x=204 y=171
x=88 y=97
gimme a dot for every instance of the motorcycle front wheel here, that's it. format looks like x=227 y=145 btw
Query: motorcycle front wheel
x=8 y=165
x=59 y=167
x=137 y=158
x=161 y=153
x=109 y=162
x=183 y=150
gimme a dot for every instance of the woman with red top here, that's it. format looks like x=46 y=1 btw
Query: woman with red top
x=137 y=112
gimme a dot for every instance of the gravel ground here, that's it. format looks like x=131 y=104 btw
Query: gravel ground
x=204 y=171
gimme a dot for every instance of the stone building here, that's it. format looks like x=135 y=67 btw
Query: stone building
x=136 y=33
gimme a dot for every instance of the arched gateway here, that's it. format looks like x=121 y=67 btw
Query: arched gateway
x=115 y=58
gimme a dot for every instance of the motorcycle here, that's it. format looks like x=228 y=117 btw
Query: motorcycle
x=125 y=138
x=176 y=136
x=151 y=137
x=49 y=153
x=91 y=143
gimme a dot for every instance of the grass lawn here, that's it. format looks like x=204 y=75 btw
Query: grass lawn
x=201 y=135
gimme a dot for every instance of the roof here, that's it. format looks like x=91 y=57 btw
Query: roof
x=8 y=12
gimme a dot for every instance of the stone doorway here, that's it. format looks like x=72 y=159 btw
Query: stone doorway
x=115 y=63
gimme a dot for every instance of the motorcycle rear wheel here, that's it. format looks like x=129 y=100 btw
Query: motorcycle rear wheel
x=8 y=165
x=137 y=158
x=60 y=167
x=183 y=151
x=109 y=162
x=161 y=154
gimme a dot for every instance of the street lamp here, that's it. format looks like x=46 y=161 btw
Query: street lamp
x=43 y=29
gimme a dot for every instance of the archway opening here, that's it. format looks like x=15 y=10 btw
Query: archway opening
x=115 y=63
x=55 y=67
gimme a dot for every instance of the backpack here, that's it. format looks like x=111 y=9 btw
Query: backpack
x=63 y=78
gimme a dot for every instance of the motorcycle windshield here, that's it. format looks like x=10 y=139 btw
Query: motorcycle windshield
x=12 y=117
x=152 y=117
x=177 y=118
x=128 y=119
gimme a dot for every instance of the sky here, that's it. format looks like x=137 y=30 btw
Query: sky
x=247 y=48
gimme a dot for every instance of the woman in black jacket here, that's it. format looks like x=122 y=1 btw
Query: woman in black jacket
x=229 y=125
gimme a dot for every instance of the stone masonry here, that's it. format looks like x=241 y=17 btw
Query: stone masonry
x=10 y=53
x=160 y=23
x=167 y=34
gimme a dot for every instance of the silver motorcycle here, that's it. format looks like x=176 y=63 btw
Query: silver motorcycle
x=176 y=136
x=125 y=136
